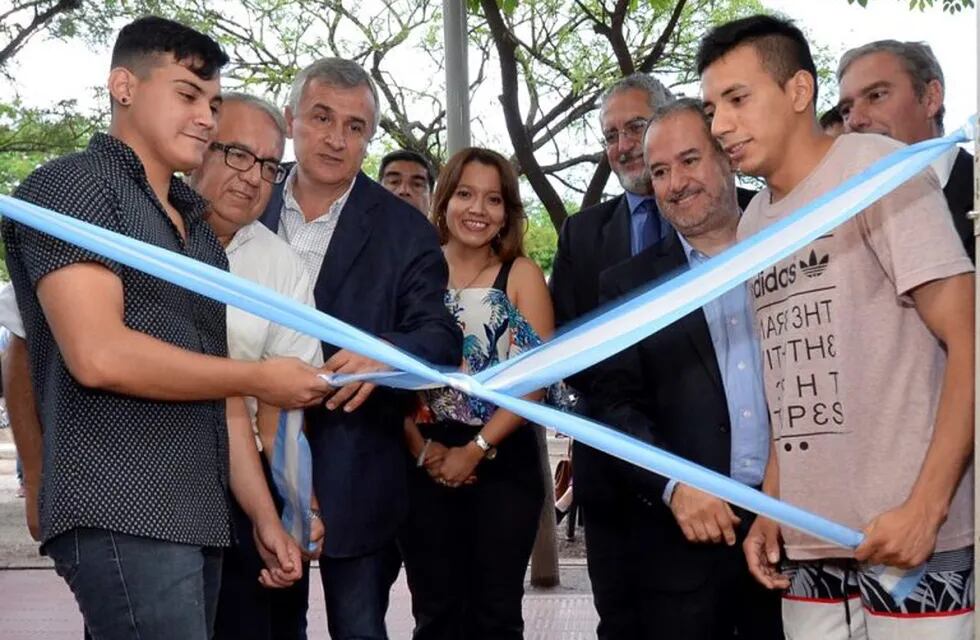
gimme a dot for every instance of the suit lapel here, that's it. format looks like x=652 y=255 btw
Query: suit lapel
x=352 y=232
x=694 y=323
x=960 y=183
x=616 y=235
x=273 y=210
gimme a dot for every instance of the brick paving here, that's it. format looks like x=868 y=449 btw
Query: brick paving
x=36 y=605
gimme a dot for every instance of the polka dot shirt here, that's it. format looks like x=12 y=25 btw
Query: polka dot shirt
x=112 y=461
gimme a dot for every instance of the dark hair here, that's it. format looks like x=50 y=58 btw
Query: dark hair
x=407 y=155
x=830 y=118
x=143 y=39
x=781 y=46
x=686 y=105
x=509 y=243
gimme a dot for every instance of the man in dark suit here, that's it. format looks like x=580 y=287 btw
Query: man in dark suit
x=669 y=556
x=608 y=233
x=604 y=235
x=593 y=240
x=377 y=265
x=897 y=89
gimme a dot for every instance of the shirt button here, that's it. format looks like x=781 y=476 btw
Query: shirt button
x=733 y=321
x=746 y=413
x=741 y=366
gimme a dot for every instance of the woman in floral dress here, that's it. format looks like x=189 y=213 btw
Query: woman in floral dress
x=477 y=491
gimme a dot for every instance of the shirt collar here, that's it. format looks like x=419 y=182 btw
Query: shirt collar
x=635 y=200
x=187 y=201
x=290 y=203
x=943 y=165
x=114 y=148
x=693 y=255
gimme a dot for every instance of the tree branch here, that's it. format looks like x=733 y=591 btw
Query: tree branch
x=506 y=52
x=572 y=162
x=568 y=185
x=39 y=22
x=593 y=193
x=575 y=114
x=646 y=66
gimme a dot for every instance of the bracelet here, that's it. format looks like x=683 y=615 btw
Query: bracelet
x=420 y=461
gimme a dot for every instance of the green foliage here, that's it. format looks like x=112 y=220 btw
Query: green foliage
x=30 y=137
x=22 y=20
x=541 y=241
x=541 y=238
x=949 y=6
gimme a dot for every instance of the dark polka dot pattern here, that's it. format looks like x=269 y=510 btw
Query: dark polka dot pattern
x=112 y=461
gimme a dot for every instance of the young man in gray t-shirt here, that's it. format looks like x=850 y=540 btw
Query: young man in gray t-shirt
x=867 y=338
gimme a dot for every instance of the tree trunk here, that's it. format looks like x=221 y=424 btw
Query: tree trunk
x=544 y=557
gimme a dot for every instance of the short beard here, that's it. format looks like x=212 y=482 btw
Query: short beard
x=640 y=185
x=715 y=214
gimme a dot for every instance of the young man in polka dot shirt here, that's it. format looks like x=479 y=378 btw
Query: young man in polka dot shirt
x=130 y=373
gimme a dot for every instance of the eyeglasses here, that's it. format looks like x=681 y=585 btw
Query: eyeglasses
x=241 y=159
x=632 y=130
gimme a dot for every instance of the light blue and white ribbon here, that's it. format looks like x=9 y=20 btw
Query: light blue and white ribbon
x=588 y=343
x=292 y=473
x=244 y=294
x=623 y=324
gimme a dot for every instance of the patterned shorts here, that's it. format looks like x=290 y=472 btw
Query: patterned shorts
x=831 y=599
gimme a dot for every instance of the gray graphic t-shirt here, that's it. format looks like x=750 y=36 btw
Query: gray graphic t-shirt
x=852 y=374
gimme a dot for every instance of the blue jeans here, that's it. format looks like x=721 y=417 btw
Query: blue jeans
x=135 y=588
x=356 y=593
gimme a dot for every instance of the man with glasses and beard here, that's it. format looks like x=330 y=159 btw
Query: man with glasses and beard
x=590 y=242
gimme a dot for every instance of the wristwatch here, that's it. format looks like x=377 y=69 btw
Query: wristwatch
x=489 y=451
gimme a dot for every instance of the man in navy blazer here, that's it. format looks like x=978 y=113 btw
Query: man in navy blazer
x=668 y=555
x=377 y=265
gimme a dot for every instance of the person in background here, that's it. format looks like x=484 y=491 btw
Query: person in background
x=897 y=89
x=831 y=122
x=408 y=175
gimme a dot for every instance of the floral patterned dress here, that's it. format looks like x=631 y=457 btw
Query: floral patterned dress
x=493 y=331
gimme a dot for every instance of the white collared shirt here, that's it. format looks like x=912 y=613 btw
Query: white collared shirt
x=309 y=239
x=257 y=254
x=9 y=313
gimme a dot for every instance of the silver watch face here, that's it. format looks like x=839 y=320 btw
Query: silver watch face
x=489 y=451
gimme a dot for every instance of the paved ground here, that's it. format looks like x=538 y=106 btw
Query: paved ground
x=35 y=604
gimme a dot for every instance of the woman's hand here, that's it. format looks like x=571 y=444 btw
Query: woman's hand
x=459 y=464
